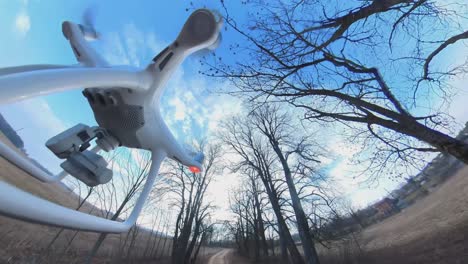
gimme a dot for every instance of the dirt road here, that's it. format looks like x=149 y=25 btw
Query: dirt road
x=224 y=256
x=221 y=257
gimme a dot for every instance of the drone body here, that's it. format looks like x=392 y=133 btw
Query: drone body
x=133 y=116
x=125 y=103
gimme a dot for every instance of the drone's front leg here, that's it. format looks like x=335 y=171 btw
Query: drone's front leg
x=77 y=34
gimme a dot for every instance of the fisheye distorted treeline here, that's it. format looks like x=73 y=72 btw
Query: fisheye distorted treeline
x=377 y=76
x=369 y=69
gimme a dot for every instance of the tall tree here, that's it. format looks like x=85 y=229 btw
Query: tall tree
x=193 y=211
x=246 y=203
x=241 y=136
x=295 y=155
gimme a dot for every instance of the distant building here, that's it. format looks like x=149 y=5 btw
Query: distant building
x=432 y=175
x=408 y=193
x=385 y=208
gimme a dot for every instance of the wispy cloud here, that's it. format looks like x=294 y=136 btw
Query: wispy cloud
x=38 y=114
x=41 y=113
x=130 y=46
x=36 y=123
x=22 y=23
x=180 y=108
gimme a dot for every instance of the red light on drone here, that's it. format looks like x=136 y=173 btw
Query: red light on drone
x=194 y=169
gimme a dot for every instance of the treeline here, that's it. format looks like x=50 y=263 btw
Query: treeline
x=282 y=192
x=193 y=226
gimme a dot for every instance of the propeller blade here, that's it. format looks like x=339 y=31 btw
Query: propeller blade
x=88 y=23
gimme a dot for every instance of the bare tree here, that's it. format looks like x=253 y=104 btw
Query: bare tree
x=243 y=137
x=116 y=197
x=206 y=233
x=193 y=211
x=277 y=128
x=82 y=199
x=345 y=63
x=247 y=203
x=259 y=222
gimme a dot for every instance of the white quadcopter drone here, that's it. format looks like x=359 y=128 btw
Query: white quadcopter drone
x=125 y=103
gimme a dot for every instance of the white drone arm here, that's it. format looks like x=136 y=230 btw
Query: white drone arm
x=78 y=35
x=176 y=152
x=25 y=85
x=22 y=205
x=200 y=31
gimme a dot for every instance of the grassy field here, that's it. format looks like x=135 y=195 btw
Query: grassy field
x=22 y=242
x=433 y=230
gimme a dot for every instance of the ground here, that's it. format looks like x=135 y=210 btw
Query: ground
x=227 y=256
x=433 y=230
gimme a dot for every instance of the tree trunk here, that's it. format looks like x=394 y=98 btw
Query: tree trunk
x=179 y=252
x=256 y=240
x=149 y=245
x=132 y=242
x=444 y=143
x=192 y=244
x=439 y=140
x=197 y=251
x=308 y=246
x=155 y=248
x=96 y=247
x=103 y=236
x=283 y=245
x=63 y=229
x=288 y=240
x=261 y=226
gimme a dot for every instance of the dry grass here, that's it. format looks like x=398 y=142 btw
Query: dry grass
x=433 y=230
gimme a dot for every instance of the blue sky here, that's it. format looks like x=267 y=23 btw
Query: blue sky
x=133 y=33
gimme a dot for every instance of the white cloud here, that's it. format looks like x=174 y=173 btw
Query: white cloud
x=325 y=161
x=113 y=49
x=180 y=108
x=348 y=183
x=36 y=123
x=129 y=46
x=458 y=107
x=218 y=192
x=22 y=23
x=41 y=113
x=222 y=106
